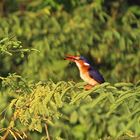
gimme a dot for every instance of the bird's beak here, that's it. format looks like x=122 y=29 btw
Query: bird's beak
x=71 y=58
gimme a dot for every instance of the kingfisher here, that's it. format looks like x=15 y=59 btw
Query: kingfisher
x=88 y=73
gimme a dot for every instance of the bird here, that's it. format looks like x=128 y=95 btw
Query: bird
x=87 y=72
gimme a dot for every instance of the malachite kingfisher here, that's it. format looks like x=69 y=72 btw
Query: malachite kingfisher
x=88 y=73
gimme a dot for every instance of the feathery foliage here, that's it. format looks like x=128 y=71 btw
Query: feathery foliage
x=36 y=102
x=70 y=112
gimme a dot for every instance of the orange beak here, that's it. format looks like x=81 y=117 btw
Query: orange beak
x=71 y=58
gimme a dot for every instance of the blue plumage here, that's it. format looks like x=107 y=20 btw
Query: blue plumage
x=88 y=73
x=93 y=73
x=96 y=75
x=84 y=59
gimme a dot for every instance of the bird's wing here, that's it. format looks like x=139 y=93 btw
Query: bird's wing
x=96 y=75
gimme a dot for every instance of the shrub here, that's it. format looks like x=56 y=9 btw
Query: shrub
x=67 y=111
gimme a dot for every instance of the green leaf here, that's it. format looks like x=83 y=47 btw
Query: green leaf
x=73 y=117
x=57 y=98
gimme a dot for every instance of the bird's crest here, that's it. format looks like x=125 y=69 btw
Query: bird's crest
x=86 y=62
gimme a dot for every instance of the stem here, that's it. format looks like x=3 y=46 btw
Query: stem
x=47 y=132
x=8 y=129
x=5 y=135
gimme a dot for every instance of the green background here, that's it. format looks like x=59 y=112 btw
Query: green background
x=38 y=87
x=105 y=32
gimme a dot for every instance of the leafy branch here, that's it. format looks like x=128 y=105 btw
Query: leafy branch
x=10 y=45
x=49 y=106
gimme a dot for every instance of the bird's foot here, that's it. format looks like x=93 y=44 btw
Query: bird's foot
x=88 y=87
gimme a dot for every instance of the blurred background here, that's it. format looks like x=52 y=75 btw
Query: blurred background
x=35 y=36
x=107 y=32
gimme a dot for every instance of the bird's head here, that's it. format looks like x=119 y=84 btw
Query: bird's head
x=79 y=60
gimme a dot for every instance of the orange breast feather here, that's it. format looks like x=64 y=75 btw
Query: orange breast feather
x=86 y=77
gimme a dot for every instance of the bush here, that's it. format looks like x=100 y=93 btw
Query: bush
x=67 y=111
x=36 y=36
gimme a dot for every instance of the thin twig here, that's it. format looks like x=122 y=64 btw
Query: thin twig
x=47 y=132
x=5 y=135
x=8 y=129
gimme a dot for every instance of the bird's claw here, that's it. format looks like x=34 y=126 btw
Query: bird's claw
x=88 y=87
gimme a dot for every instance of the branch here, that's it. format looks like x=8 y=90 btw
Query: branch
x=6 y=134
x=47 y=132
